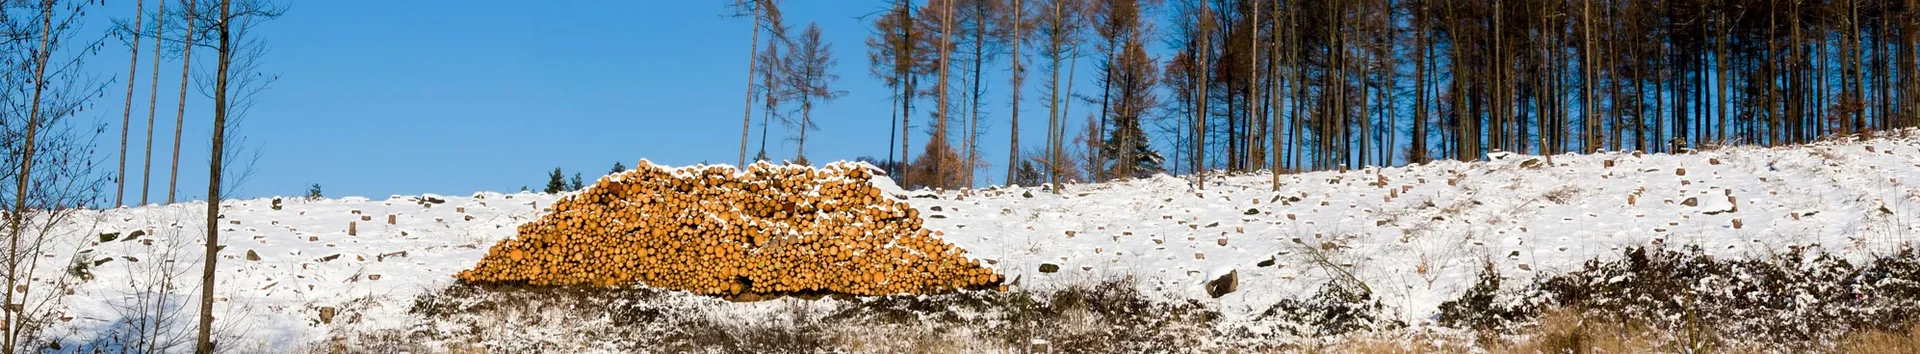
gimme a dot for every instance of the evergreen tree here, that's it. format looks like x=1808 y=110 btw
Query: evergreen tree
x=618 y=168
x=1125 y=151
x=556 y=182
x=575 y=184
x=1028 y=174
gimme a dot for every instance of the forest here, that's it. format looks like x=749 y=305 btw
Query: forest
x=1243 y=85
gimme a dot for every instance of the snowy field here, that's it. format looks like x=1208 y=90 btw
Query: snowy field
x=308 y=271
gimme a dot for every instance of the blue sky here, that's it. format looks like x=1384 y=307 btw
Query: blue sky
x=376 y=98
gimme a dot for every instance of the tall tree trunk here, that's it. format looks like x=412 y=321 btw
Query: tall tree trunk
x=153 y=103
x=1417 y=152
x=12 y=321
x=1106 y=93
x=1882 y=68
x=1055 y=40
x=1911 y=62
x=180 y=116
x=1253 y=83
x=1018 y=76
x=1463 y=133
x=1720 y=76
x=746 y=117
x=1295 y=56
x=1498 y=129
x=1200 y=120
x=1859 y=81
x=941 y=177
x=1336 y=117
x=204 y=340
x=1073 y=70
x=1795 y=94
x=806 y=120
x=1616 y=82
x=1392 y=73
x=1273 y=99
x=126 y=118
x=1775 y=130
x=973 y=113
x=909 y=84
x=1366 y=118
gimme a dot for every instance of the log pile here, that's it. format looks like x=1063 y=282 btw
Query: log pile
x=719 y=231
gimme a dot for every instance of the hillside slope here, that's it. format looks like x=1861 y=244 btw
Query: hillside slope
x=1418 y=235
x=294 y=275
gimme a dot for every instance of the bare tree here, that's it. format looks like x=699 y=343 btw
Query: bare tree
x=236 y=81
x=180 y=117
x=153 y=103
x=203 y=344
x=126 y=117
x=772 y=70
x=810 y=79
x=1205 y=51
x=977 y=23
x=892 y=54
x=1058 y=29
x=940 y=164
x=40 y=58
x=946 y=63
x=1013 y=30
x=751 y=8
x=43 y=87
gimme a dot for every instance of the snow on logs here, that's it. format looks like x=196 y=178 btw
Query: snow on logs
x=719 y=231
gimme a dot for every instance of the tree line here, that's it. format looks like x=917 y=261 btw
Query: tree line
x=1246 y=85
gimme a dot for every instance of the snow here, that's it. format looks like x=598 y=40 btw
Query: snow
x=1416 y=235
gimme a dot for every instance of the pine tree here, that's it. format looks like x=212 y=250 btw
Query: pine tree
x=575 y=184
x=618 y=168
x=556 y=182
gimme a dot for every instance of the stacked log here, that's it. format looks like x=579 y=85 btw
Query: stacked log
x=715 y=230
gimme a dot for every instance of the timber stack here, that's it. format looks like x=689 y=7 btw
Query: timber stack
x=715 y=230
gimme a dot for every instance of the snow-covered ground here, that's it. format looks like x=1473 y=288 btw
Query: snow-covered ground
x=1415 y=235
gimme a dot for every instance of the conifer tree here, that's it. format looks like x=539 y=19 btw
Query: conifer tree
x=810 y=78
x=556 y=182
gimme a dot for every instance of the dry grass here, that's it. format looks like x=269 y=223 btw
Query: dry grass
x=1882 y=342
x=1568 y=331
x=1562 y=195
x=1565 y=331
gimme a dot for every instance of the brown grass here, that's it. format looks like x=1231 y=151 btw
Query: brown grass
x=1882 y=342
x=1567 y=331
